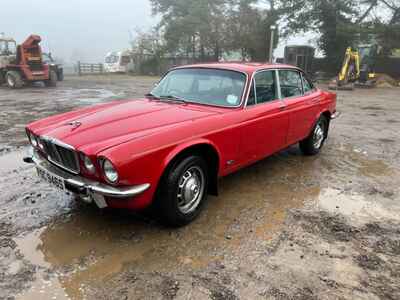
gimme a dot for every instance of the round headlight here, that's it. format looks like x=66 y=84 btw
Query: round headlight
x=89 y=166
x=32 y=139
x=40 y=143
x=109 y=171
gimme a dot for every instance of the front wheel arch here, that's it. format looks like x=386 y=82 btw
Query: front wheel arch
x=203 y=149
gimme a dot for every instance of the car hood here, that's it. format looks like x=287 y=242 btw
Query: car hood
x=103 y=126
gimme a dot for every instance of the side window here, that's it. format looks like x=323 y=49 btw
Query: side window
x=291 y=83
x=307 y=85
x=266 y=87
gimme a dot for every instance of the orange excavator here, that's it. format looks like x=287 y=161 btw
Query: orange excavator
x=23 y=64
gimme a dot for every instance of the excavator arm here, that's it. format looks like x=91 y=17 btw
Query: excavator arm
x=350 y=71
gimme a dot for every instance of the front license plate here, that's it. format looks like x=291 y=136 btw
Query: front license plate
x=50 y=178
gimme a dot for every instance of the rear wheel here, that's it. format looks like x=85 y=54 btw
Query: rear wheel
x=52 y=81
x=183 y=191
x=315 y=141
x=2 y=78
x=14 y=80
x=60 y=75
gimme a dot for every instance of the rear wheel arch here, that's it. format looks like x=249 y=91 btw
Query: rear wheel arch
x=327 y=114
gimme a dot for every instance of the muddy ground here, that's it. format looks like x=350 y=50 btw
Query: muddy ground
x=289 y=227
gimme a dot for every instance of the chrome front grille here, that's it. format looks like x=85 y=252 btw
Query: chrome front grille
x=60 y=154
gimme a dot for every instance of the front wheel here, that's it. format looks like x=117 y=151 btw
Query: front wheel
x=14 y=80
x=315 y=141
x=183 y=191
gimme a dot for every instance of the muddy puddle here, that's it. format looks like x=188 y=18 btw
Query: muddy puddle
x=36 y=103
x=88 y=246
x=355 y=206
x=86 y=96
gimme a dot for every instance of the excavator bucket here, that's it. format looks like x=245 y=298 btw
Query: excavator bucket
x=31 y=41
x=333 y=85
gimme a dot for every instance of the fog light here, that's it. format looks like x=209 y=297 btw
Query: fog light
x=89 y=166
x=40 y=143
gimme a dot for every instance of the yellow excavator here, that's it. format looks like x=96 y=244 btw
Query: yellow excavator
x=357 y=68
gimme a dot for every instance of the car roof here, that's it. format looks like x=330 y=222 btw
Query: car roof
x=246 y=67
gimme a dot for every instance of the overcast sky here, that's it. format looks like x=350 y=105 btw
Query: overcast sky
x=83 y=29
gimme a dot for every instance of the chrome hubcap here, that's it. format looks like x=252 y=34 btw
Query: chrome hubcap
x=319 y=135
x=190 y=190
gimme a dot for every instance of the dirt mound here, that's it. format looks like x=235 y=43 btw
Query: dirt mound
x=384 y=80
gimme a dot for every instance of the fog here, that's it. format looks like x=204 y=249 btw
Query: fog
x=76 y=29
x=86 y=29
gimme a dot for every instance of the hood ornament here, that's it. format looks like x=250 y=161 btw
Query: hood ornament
x=75 y=124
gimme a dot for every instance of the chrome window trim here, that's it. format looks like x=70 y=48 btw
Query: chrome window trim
x=62 y=144
x=242 y=98
x=278 y=84
x=255 y=90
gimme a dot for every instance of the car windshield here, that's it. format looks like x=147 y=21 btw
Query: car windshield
x=204 y=86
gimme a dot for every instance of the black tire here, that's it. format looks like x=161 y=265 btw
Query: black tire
x=170 y=202
x=52 y=81
x=2 y=78
x=60 y=75
x=313 y=144
x=14 y=80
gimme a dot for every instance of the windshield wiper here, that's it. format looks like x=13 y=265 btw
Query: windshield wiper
x=150 y=95
x=172 y=98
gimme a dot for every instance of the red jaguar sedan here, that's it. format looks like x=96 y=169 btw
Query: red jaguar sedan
x=168 y=149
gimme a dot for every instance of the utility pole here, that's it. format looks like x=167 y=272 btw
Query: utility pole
x=271 y=44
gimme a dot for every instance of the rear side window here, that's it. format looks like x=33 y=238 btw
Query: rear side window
x=291 y=83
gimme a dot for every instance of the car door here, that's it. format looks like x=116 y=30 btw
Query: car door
x=301 y=102
x=265 y=124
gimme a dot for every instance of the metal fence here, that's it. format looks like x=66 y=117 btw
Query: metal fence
x=86 y=68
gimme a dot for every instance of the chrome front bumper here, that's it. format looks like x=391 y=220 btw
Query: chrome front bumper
x=83 y=186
